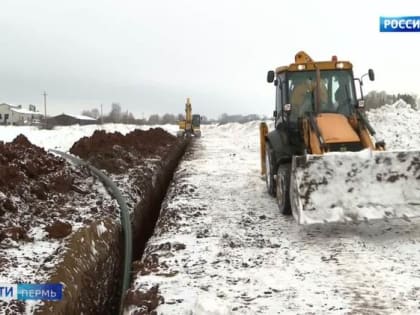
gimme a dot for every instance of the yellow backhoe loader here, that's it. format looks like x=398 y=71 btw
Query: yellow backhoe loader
x=322 y=161
x=190 y=126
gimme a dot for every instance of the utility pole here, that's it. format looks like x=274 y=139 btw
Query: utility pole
x=45 y=107
x=102 y=116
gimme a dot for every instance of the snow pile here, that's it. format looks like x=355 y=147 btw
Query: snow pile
x=362 y=185
x=365 y=185
x=397 y=124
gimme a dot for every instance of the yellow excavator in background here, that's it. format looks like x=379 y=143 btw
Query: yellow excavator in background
x=190 y=126
x=321 y=161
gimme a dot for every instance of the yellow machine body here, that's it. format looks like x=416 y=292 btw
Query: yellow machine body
x=190 y=126
x=327 y=166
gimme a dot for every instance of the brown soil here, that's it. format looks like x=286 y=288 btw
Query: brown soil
x=146 y=301
x=117 y=153
x=92 y=278
x=40 y=189
x=58 y=229
x=37 y=188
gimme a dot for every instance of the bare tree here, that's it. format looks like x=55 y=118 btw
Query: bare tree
x=115 y=114
x=154 y=119
x=94 y=113
x=128 y=118
x=181 y=117
x=168 y=119
x=375 y=99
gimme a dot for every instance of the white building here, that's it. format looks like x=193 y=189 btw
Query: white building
x=16 y=115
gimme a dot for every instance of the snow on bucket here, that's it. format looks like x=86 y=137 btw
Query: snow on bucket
x=354 y=186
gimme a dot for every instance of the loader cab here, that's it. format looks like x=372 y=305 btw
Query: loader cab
x=336 y=93
x=196 y=119
x=296 y=93
x=280 y=84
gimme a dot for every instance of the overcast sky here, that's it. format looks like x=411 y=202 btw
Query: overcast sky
x=150 y=55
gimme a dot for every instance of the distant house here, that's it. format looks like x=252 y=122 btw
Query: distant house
x=68 y=119
x=16 y=115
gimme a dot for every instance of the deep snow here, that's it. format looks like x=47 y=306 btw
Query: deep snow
x=365 y=185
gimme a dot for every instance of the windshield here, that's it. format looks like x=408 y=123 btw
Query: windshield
x=336 y=90
x=196 y=120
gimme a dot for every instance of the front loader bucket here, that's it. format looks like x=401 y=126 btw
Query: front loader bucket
x=355 y=186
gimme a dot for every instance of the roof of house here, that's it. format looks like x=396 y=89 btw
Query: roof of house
x=24 y=111
x=79 y=117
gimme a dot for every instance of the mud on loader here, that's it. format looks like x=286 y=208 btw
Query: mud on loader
x=190 y=126
x=321 y=161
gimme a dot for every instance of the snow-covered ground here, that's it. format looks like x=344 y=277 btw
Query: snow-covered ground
x=62 y=138
x=223 y=247
x=242 y=256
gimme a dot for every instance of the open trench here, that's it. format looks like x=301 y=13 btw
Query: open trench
x=93 y=282
x=147 y=211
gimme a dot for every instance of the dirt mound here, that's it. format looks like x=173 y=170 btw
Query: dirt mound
x=43 y=197
x=58 y=229
x=146 y=301
x=117 y=153
x=27 y=171
x=37 y=188
x=45 y=202
x=21 y=161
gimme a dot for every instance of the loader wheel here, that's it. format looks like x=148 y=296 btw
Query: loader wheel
x=283 y=188
x=269 y=173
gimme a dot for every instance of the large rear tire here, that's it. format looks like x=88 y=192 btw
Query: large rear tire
x=269 y=172
x=283 y=188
